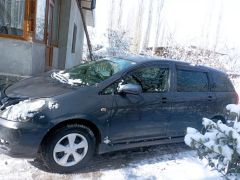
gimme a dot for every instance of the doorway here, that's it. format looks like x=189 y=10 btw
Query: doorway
x=49 y=45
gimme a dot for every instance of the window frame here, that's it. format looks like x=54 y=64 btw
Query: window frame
x=29 y=27
x=74 y=38
x=141 y=66
x=192 y=69
x=26 y=24
x=44 y=41
x=214 y=83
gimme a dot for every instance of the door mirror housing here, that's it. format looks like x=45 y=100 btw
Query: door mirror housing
x=130 y=89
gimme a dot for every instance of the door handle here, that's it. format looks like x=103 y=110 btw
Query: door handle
x=210 y=98
x=164 y=100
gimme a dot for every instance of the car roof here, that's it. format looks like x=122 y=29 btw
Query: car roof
x=143 y=59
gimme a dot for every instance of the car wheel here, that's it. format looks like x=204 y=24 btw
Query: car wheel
x=68 y=149
x=217 y=118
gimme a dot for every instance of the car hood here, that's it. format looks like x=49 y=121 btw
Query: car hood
x=38 y=87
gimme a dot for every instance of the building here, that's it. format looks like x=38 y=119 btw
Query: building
x=36 y=35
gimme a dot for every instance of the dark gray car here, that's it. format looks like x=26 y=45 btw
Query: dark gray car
x=107 y=105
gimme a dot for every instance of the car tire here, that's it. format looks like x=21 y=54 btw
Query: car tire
x=68 y=149
x=217 y=118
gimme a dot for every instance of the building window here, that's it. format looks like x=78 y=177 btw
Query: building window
x=56 y=12
x=74 y=38
x=12 y=17
x=40 y=20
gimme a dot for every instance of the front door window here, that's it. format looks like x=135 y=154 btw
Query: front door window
x=151 y=79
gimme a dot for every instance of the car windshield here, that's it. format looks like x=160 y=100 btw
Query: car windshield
x=93 y=72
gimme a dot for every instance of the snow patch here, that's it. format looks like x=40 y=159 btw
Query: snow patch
x=23 y=110
x=191 y=130
x=53 y=105
x=107 y=140
x=233 y=108
x=27 y=109
x=158 y=165
x=65 y=78
x=207 y=122
x=236 y=126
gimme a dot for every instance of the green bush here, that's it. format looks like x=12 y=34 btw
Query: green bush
x=220 y=143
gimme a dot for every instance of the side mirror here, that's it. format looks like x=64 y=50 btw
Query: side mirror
x=130 y=89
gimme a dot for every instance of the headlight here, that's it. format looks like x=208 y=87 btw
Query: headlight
x=25 y=110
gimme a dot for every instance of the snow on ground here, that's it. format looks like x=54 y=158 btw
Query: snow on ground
x=163 y=162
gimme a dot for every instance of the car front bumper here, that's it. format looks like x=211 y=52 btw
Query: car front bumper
x=20 y=140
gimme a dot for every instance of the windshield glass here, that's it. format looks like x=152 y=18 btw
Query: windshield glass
x=92 y=72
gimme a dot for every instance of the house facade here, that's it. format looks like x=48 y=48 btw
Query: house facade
x=37 y=35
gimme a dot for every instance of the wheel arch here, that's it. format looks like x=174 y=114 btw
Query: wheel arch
x=219 y=117
x=87 y=123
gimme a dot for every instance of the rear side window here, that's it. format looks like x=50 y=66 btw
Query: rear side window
x=192 y=81
x=221 y=83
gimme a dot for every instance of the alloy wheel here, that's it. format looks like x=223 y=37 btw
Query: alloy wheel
x=70 y=150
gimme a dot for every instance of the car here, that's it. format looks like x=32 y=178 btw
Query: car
x=65 y=117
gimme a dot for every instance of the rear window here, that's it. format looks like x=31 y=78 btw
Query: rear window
x=221 y=83
x=192 y=81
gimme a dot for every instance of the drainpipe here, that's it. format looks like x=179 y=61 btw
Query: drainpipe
x=85 y=30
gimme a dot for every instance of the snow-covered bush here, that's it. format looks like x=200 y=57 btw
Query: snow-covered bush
x=119 y=43
x=196 y=55
x=220 y=144
x=113 y=43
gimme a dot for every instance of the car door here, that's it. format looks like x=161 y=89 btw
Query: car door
x=192 y=100
x=143 y=116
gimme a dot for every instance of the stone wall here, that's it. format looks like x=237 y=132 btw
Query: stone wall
x=21 y=58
